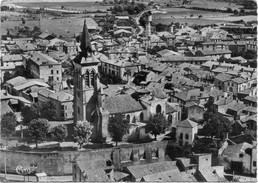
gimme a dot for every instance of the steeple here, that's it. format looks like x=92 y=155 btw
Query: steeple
x=85 y=41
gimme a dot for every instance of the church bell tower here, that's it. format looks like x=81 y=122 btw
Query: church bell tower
x=86 y=81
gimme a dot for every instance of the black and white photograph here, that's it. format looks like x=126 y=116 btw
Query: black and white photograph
x=128 y=91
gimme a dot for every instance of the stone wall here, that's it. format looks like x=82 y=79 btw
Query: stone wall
x=60 y=163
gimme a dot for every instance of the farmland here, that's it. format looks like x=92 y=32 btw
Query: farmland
x=67 y=27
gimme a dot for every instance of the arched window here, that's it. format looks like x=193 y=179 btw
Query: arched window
x=170 y=118
x=128 y=118
x=141 y=117
x=158 y=109
x=87 y=78
x=92 y=78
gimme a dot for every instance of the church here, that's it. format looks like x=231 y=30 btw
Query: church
x=92 y=103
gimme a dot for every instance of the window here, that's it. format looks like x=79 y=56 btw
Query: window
x=57 y=71
x=57 y=78
x=128 y=118
x=92 y=78
x=52 y=72
x=170 y=118
x=141 y=116
x=66 y=115
x=78 y=110
x=87 y=78
x=158 y=109
x=241 y=155
x=181 y=136
x=186 y=136
x=254 y=163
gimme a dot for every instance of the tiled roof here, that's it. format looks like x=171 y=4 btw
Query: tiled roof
x=219 y=70
x=214 y=52
x=30 y=84
x=224 y=101
x=210 y=63
x=121 y=104
x=223 y=77
x=236 y=106
x=61 y=96
x=139 y=171
x=236 y=149
x=210 y=175
x=170 y=109
x=186 y=95
x=251 y=98
x=248 y=118
x=43 y=59
x=239 y=80
x=170 y=176
x=16 y=80
x=215 y=93
x=11 y=58
x=187 y=123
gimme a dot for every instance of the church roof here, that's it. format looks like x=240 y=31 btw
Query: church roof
x=121 y=104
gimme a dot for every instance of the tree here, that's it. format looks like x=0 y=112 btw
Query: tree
x=229 y=10
x=47 y=110
x=38 y=130
x=23 y=21
x=157 y=125
x=29 y=113
x=216 y=125
x=59 y=133
x=82 y=132
x=118 y=126
x=8 y=123
x=235 y=12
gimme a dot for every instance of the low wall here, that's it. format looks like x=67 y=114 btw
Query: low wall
x=60 y=163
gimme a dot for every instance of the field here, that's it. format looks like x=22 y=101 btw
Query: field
x=67 y=27
x=183 y=12
x=213 y=5
x=236 y=18
x=189 y=21
x=86 y=5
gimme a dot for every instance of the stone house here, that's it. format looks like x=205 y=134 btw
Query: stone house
x=45 y=67
x=238 y=158
x=186 y=131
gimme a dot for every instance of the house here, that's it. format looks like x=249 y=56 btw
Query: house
x=238 y=158
x=173 y=114
x=93 y=171
x=194 y=111
x=11 y=103
x=186 y=164
x=236 y=85
x=137 y=172
x=27 y=47
x=211 y=174
x=250 y=122
x=250 y=101
x=43 y=66
x=220 y=81
x=186 y=131
x=169 y=176
x=214 y=54
x=122 y=68
x=63 y=104
x=13 y=49
x=12 y=60
x=236 y=47
x=179 y=59
x=70 y=48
